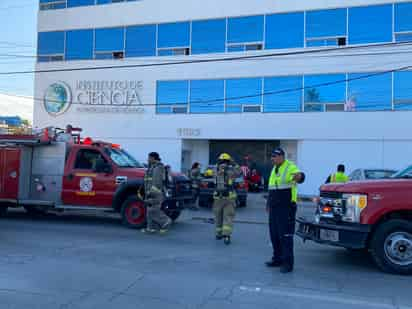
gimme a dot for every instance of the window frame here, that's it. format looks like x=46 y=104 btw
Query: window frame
x=114 y=54
x=52 y=57
x=176 y=50
x=82 y=150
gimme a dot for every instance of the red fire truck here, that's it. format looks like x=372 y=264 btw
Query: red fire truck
x=40 y=173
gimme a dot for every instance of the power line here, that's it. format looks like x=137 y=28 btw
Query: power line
x=222 y=59
x=234 y=98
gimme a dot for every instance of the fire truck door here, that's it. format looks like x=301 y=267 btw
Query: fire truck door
x=9 y=173
x=82 y=186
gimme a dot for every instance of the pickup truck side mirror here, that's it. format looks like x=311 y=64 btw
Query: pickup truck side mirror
x=103 y=167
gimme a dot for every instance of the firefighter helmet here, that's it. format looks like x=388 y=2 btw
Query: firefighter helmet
x=225 y=157
x=209 y=172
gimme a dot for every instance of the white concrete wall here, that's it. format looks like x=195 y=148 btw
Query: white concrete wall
x=199 y=150
x=325 y=139
x=159 y=11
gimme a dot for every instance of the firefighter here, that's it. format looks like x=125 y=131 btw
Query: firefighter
x=225 y=196
x=195 y=177
x=281 y=206
x=339 y=176
x=154 y=194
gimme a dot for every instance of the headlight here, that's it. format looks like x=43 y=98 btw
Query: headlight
x=355 y=204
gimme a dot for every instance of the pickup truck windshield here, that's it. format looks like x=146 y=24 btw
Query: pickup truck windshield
x=122 y=159
x=406 y=173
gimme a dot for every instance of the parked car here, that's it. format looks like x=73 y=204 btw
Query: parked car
x=370 y=174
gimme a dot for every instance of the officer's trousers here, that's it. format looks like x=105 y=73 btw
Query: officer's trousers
x=282 y=216
x=156 y=218
x=224 y=210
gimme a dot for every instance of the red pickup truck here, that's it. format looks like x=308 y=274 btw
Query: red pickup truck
x=41 y=174
x=367 y=215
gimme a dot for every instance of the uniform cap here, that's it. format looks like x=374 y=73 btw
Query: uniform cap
x=278 y=152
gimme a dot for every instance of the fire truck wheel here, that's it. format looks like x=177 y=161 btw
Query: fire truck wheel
x=3 y=210
x=133 y=212
x=391 y=246
x=35 y=211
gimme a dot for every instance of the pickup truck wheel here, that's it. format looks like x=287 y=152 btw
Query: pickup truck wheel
x=391 y=247
x=133 y=212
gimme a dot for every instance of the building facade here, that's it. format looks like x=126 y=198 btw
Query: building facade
x=328 y=80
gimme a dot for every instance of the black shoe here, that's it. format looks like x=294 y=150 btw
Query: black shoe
x=284 y=269
x=226 y=239
x=273 y=264
x=219 y=237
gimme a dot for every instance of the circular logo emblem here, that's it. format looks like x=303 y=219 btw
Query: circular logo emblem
x=57 y=98
x=86 y=184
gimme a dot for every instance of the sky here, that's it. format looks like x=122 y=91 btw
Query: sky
x=18 y=21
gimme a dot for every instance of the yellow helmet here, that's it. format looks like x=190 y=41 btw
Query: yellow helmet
x=209 y=172
x=225 y=156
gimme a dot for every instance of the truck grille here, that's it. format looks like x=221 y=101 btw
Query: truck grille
x=331 y=195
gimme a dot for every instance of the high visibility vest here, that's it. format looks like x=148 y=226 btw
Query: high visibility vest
x=283 y=179
x=339 y=177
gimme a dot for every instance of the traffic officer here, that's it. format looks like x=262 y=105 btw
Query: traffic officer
x=281 y=206
x=339 y=176
x=154 y=194
x=225 y=196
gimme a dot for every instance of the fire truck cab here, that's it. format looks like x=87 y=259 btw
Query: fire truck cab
x=40 y=174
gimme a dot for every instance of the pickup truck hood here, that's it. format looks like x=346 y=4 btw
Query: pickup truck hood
x=369 y=186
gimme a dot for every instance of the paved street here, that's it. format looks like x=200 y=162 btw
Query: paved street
x=78 y=261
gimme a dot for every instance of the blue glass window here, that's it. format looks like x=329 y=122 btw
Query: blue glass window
x=326 y=27
x=370 y=93
x=174 y=35
x=325 y=92
x=108 y=41
x=207 y=96
x=402 y=90
x=403 y=22
x=79 y=44
x=245 y=29
x=283 y=94
x=208 y=36
x=112 y=1
x=172 y=95
x=141 y=41
x=284 y=30
x=244 y=91
x=72 y=3
x=50 y=44
x=52 y=4
x=403 y=17
x=370 y=24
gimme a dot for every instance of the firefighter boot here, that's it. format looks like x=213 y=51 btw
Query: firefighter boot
x=165 y=228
